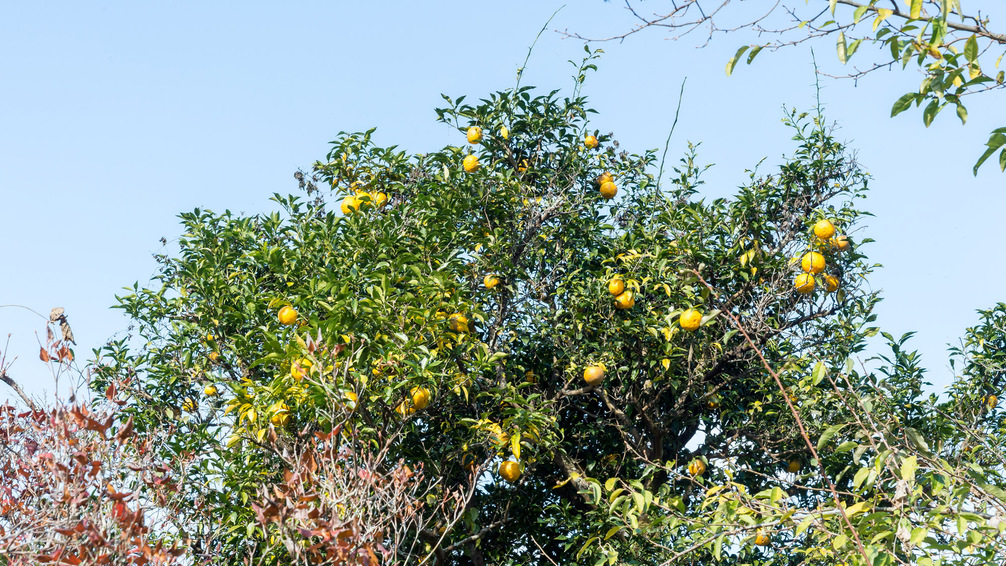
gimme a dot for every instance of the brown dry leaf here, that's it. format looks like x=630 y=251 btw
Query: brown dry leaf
x=65 y=354
x=43 y=355
x=56 y=314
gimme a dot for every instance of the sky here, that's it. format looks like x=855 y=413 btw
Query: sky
x=117 y=116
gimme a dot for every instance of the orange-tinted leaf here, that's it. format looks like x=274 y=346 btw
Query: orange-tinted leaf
x=43 y=355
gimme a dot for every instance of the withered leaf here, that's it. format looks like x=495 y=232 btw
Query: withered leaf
x=56 y=314
x=43 y=355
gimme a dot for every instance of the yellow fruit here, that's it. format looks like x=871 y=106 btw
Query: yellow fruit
x=824 y=229
x=491 y=281
x=210 y=391
x=608 y=190
x=531 y=377
x=287 y=315
x=214 y=356
x=365 y=198
x=794 y=466
x=299 y=369
x=471 y=163
x=616 y=286
x=380 y=199
x=762 y=539
x=504 y=132
x=459 y=323
x=713 y=403
x=510 y=471
x=804 y=283
x=697 y=467
x=420 y=397
x=991 y=401
x=830 y=283
x=189 y=404
x=812 y=262
x=593 y=375
x=474 y=134
x=605 y=177
x=590 y=141
x=625 y=300
x=351 y=204
x=840 y=243
x=690 y=320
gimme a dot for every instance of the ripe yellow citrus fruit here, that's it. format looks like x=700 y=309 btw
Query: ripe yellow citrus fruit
x=824 y=229
x=616 y=286
x=812 y=262
x=830 y=283
x=214 y=356
x=380 y=199
x=210 y=391
x=491 y=281
x=991 y=401
x=593 y=375
x=794 y=466
x=604 y=178
x=471 y=163
x=690 y=320
x=804 y=283
x=625 y=300
x=299 y=369
x=189 y=404
x=608 y=190
x=351 y=204
x=590 y=141
x=287 y=315
x=504 y=132
x=697 y=467
x=510 y=471
x=420 y=397
x=762 y=539
x=459 y=323
x=840 y=243
x=474 y=134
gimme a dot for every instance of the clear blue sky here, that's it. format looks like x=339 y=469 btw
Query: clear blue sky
x=116 y=116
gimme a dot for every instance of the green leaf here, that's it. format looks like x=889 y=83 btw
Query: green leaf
x=831 y=6
x=971 y=49
x=733 y=60
x=610 y=484
x=918 y=441
x=858 y=14
x=916 y=9
x=996 y=141
x=819 y=373
x=903 y=103
x=908 y=468
x=930 y=112
x=611 y=532
x=962 y=113
x=754 y=52
x=828 y=434
x=860 y=477
x=843 y=55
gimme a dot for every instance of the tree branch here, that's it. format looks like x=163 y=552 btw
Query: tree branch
x=17 y=389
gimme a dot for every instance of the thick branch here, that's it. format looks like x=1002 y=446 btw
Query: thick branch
x=17 y=389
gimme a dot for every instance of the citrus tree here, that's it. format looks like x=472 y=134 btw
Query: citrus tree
x=529 y=348
x=949 y=41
